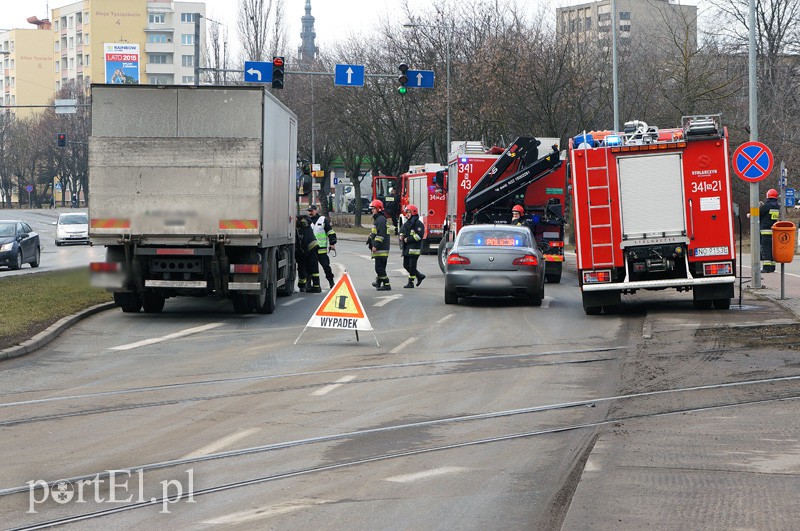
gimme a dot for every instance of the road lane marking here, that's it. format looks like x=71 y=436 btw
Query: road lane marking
x=176 y=335
x=328 y=388
x=216 y=446
x=445 y=318
x=426 y=474
x=546 y=301
x=387 y=299
x=263 y=513
x=290 y=302
x=402 y=345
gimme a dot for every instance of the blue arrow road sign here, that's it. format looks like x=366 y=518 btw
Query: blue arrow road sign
x=349 y=75
x=420 y=78
x=257 y=72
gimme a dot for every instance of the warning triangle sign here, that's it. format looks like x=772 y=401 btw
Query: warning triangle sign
x=341 y=308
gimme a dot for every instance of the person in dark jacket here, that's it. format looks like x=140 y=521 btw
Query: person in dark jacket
x=411 y=235
x=392 y=208
x=768 y=214
x=379 y=243
x=326 y=238
x=305 y=252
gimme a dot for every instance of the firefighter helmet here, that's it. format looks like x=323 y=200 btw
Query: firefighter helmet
x=772 y=192
x=413 y=209
x=519 y=209
x=376 y=203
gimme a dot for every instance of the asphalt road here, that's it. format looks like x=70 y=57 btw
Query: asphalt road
x=484 y=415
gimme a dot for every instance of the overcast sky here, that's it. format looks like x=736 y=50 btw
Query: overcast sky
x=334 y=18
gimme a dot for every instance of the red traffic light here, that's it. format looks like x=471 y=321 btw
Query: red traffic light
x=277 y=61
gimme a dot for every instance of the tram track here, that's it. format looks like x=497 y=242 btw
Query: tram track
x=758 y=392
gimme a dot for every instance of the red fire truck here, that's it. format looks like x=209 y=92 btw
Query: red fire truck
x=653 y=210
x=418 y=188
x=483 y=185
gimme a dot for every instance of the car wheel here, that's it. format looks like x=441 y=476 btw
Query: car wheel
x=58 y=243
x=152 y=302
x=450 y=297
x=536 y=300
x=18 y=262
x=37 y=256
x=593 y=310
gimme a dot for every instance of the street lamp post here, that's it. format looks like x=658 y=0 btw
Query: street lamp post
x=447 y=79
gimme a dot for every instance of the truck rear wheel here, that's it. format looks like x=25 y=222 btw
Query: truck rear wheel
x=241 y=303
x=152 y=302
x=592 y=310
x=553 y=272
x=722 y=304
x=287 y=271
x=128 y=302
x=271 y=298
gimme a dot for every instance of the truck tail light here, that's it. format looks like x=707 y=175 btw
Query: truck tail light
x=596 y=277
x=527 y=260
x=105 y=267
x=457 y=259
x=718 y=268
x=246 y=268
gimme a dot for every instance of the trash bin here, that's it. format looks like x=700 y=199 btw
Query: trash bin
x=784 y=234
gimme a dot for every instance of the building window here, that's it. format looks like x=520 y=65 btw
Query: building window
x=187 y=80
x=603 y=17
x=187 y=39
x=78 y=17
x=571 y=26
x=58 y=86
x=157 y=37
x=158 y=80
x=58 y=66
x=625 y=27
x=86 y=60
x=158 y=58
x=157 y=18
x=187 y=60
x=85 y=38
x=624 y=15
x=72 y=64
x=85 y=17
x=588 y=23
x=56 y=47
x=70 y=22
x=188 y=17
x=55 y=24
x=71 y=43
x=80 y=60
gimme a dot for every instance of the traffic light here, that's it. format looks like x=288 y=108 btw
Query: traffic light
x=277 y=72
x=61 y=139
x=403 y=79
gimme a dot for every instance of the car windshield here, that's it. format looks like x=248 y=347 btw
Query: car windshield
x=494 y=238
x=6 y=230
x=74 y=219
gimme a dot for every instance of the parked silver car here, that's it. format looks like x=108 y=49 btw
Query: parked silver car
x=494 y=260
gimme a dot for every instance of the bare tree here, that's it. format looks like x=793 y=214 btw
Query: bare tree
x=261 y=28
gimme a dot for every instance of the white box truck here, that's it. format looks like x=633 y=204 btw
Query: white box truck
x=192 y=191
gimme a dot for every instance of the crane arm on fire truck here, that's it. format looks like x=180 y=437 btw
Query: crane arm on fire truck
x=485 y=196
x=522 y=151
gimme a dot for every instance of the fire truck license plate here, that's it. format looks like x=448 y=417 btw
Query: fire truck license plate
x=711 y=251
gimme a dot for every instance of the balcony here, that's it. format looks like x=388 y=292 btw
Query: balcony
x=159 y=47
x=158 y=68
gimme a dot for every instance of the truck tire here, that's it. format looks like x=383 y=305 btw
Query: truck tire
x=554 y=275
x=152 y=302
x=289 y=272
x=592 y=310
x=702 y=304
x=241 y=303
x=128 y=302
x=722 y=304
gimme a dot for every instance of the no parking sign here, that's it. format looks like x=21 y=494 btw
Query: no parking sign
x=752 y=161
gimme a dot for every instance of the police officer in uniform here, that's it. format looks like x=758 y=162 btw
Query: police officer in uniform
x=411 y=235
x=326 y=238
x=768 y=214
x=379 y=243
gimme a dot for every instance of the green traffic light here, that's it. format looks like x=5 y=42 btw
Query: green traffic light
x=402 y=90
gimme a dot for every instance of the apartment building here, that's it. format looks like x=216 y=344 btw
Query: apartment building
x=129 y=41
x=640 y=23
x=26 y=56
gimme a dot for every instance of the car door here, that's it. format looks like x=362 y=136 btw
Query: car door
x=27 y=244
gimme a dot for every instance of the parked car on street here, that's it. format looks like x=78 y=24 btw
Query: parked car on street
x=19 y=244
x=496 y=261
x=72 y=227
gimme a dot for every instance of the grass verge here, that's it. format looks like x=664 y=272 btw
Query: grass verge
x=30 y=303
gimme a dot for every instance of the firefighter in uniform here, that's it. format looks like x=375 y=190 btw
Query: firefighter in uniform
x=326 y=238
x=411 y=235
x=392 y=203
x=768 y=214
x=516 y=215
x=379 y=243
x=305 y=252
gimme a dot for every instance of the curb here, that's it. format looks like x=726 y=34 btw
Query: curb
x=53 y=331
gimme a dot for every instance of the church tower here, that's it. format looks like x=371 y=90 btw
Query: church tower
x=308 y=50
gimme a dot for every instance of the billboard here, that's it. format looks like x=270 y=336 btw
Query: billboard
x=122 y=63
